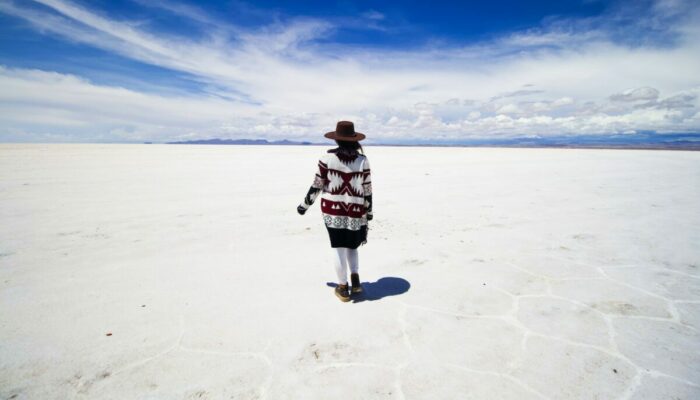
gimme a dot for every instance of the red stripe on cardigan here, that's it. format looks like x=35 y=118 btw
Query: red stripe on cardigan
x=342 y=209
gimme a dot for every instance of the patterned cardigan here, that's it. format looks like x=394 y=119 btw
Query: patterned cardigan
x=344 y=179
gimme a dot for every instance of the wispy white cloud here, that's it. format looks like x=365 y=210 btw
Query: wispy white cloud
x=186 y=11
x=373 y=14
x=285 y=80
x=642 y=93
x=47 y=102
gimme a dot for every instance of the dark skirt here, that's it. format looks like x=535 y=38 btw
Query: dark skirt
x=346 y=237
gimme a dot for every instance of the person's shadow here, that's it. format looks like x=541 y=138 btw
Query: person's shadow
x=387 y=286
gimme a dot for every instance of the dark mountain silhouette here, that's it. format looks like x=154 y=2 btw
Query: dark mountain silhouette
x=242 y=141
x=639 y=140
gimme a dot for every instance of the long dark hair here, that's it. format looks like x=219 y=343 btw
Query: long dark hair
x=350 y=145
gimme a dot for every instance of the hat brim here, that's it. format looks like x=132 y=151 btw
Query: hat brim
x=334 y=135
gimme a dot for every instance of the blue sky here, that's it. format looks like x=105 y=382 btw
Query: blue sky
x=140 y=70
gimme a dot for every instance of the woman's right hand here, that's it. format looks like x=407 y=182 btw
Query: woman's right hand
x=301 y=210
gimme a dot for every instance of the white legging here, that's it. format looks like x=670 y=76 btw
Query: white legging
x=342 y=257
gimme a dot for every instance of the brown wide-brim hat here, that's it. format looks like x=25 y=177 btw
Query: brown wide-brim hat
x=345 y=130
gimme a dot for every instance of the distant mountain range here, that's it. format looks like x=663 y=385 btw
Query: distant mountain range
x=643 y=140
x=284 y=142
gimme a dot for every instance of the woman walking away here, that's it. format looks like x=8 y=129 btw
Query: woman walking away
x=346 y=203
